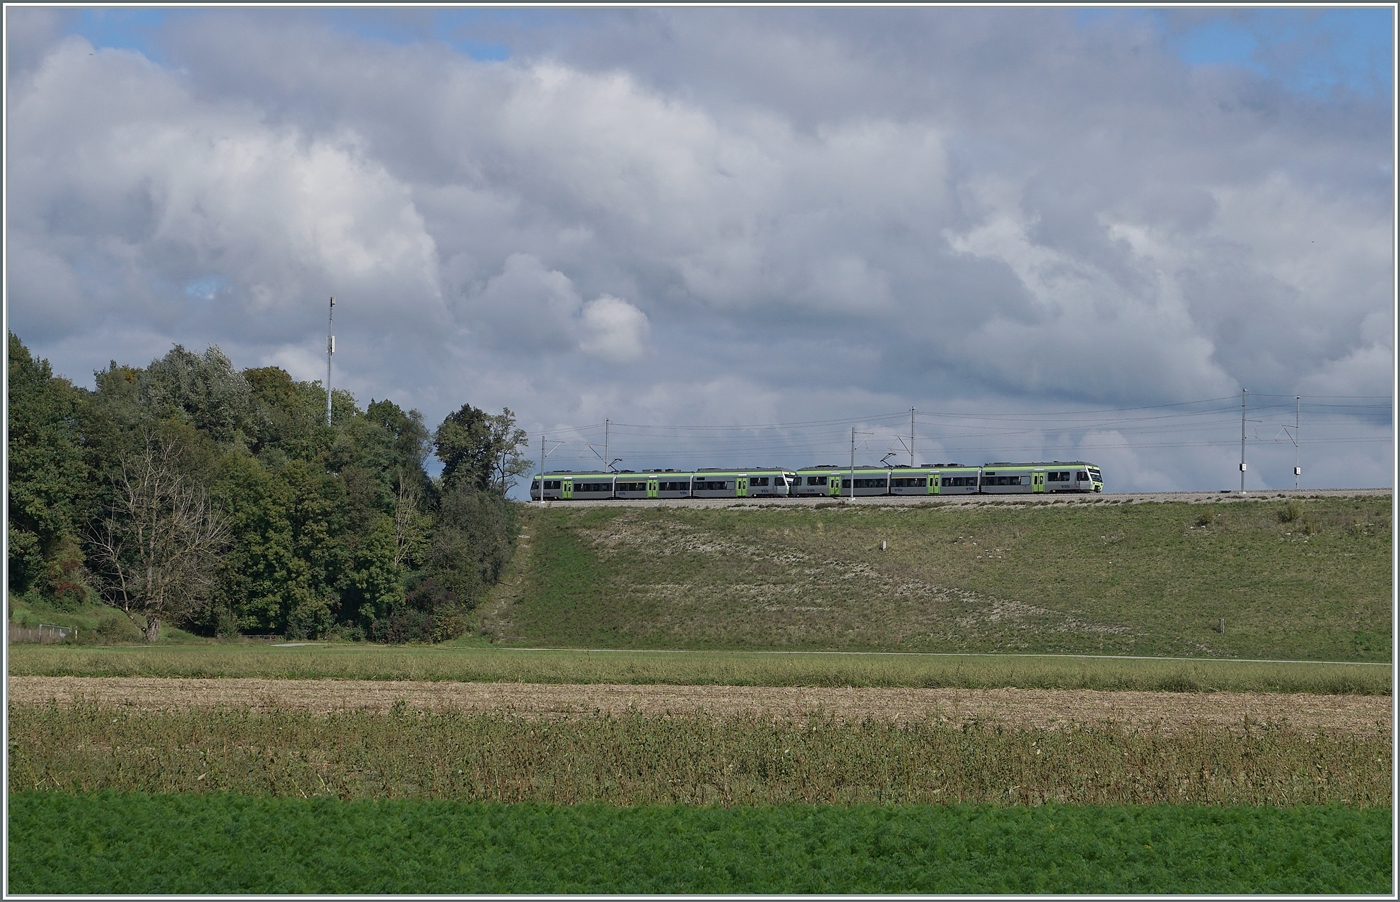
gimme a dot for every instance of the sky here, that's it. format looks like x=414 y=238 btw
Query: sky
x=729 y=236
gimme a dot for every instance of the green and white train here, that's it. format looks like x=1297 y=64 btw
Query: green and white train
x=828 y=481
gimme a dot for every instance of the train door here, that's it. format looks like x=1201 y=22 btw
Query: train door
x=653 y=487
x=933 y=484
x=741 y=487
x=566 y=487
x=1038 y=481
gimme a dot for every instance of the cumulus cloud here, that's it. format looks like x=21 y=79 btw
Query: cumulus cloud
x=839 y=210
x=613 y=330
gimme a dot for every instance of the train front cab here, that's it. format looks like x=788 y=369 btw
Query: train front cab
x=1073 y=476
x=553 y=487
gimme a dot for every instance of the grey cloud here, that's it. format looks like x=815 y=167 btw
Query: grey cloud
x=823 y=207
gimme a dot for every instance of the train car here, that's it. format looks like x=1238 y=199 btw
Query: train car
x=907 y=480
x=868 y=481
x=716 y=483
x=652 y=484
x=770 y=482
x=956 y=479
x=570 y=486
x=821 y=481
x=1012 y=479
x=1004 y=478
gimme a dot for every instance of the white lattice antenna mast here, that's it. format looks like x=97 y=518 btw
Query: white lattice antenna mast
x=330 y=350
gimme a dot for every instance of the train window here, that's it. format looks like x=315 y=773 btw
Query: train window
x=1083 y=477
x=816 y=480
x=759 y=480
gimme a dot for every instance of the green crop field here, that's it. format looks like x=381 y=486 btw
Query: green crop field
x=139 y=844
x=1269 y=580
x=703 y=667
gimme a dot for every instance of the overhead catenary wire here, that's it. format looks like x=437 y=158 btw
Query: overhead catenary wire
x=1334 y=420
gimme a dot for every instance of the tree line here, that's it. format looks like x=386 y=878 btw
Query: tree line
x=193 y=494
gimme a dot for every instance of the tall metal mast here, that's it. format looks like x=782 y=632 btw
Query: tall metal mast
x=853 y=465
x=911 y=436
x=1243 y=393
x=330 y=349
x=1297 y=437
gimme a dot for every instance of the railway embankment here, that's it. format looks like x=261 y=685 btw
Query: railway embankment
x=1277 y=575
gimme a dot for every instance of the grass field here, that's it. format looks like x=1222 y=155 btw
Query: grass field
x=1298 y=580
x=732 y=668
x=141 y=844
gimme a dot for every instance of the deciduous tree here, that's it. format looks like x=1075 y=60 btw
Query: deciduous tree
x=157 y=549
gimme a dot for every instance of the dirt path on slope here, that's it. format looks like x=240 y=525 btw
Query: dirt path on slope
x=1040 y=708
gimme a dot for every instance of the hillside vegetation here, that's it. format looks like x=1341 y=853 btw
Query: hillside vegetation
x=1307 y=580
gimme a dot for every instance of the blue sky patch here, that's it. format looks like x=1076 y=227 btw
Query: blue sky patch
x=206 y=288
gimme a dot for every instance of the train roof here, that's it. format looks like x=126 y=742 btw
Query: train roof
x=1041 y=463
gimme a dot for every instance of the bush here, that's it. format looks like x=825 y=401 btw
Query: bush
x=115 y=628
x=1290 y=512
x=413 y=625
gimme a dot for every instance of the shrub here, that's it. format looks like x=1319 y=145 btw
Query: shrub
x=114 y=628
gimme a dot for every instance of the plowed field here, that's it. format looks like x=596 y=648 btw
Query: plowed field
x=1032 y=708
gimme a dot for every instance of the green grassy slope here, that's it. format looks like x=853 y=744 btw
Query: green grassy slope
x=1308 y=581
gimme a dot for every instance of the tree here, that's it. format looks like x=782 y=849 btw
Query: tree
x=156 y=551
x=203 y=390
x=49 y=487
x=508 y=443
x=463 y=444
x=480 y=450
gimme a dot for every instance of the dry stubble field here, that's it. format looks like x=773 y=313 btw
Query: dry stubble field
x=1014 y=708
